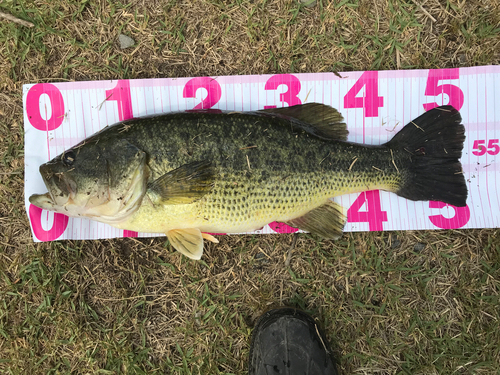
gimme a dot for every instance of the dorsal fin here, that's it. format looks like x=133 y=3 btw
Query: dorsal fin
x=317 y=119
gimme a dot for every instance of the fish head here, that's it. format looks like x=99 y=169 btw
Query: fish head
x=104 y=181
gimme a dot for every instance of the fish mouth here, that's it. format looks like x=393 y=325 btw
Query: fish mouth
x=61 y=189
x=44 y=201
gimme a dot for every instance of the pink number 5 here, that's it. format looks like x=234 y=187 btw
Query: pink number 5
x=455 y=95
x=462 y=216
x=214 y=91
x=290 y=96
x=56 y=106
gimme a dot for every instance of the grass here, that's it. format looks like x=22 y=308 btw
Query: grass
x=390 y=303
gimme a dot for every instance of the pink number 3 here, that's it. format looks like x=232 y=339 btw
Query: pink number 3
x=289 y=97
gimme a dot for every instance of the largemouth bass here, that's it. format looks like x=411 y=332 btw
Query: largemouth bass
x=188 y=173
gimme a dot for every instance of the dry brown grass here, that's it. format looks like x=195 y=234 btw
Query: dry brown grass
x=132 y=305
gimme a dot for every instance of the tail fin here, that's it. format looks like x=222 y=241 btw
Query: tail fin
x=434 y=142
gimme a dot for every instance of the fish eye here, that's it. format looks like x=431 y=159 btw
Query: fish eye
x=68 y=158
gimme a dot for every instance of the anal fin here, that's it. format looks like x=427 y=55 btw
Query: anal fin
x=187 y=241
x=326 y=221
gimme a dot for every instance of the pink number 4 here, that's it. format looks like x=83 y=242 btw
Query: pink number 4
x=373 y=215
x=370 y=101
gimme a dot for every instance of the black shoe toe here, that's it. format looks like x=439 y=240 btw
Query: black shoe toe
x=287 y=341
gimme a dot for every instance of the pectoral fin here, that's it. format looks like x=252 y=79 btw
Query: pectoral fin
x=183 y=185
x=187 y=241
x=326 y=221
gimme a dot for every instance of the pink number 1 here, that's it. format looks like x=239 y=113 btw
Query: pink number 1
x=121 y=93
x=370 y=101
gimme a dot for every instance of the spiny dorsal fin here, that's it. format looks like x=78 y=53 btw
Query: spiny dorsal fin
x=187 y=241
x=315 y=118
x=183 y=185
x=326 y=221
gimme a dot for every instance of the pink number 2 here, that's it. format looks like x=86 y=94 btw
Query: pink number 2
x=370 y=100
x=290 y=96
x=214 y=91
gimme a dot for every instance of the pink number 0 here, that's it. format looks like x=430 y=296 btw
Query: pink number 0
x=290 y=96
x=214 y=91
x=58 y=227
x=462 y=216
x=33 y=107
x=38 y=122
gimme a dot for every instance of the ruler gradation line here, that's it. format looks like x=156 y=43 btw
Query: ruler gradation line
x=404 y=95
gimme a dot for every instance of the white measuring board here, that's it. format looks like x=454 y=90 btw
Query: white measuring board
x=375 y=105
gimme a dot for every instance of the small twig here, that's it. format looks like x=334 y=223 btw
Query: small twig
x=423 y=10
x=393 y=162
x=246 y=148
x=305 y=100
x=248 y=162
x=321 y=338
x=16 y=20
x=417 y=126
x=289 y=254
x=355 y=160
